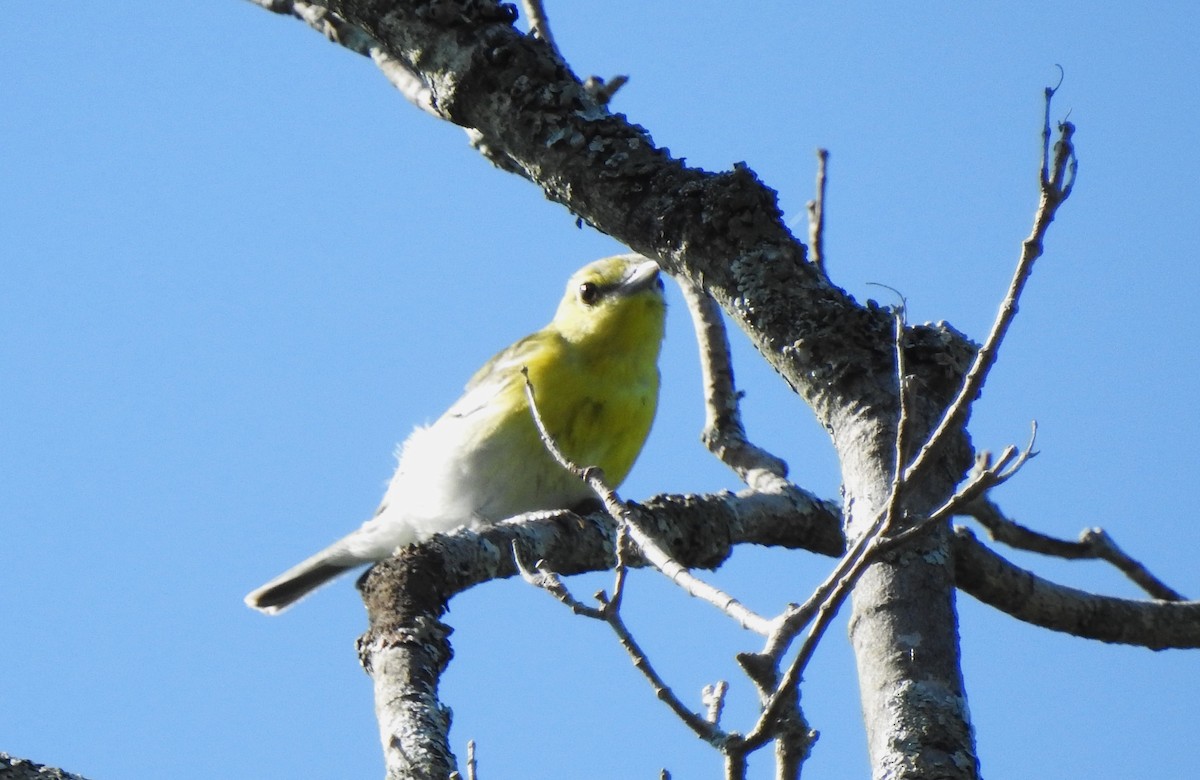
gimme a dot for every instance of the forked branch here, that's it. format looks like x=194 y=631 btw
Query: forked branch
x=1056 y=182
x=1093 y=544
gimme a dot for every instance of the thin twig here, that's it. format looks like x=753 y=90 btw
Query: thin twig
x=693 y=585
x=713 y=697
x=1055 y=185
x=610 y=607
x=825 y=602
x=702 y=728
x=986 y=475
x=602 y=91
x=610 y=612
x=541 y=577
x=408 y=81
x=900 y=455
x=539 y=24
x=825 y=613
x=789 y=624
x=649 y=548
x=1093 y=544
x=620 y=571
x=723 y=432
x=816 y=215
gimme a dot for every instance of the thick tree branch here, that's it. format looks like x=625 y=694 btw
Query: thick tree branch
x=699 y=532
x=535 y=117
x=995 y=581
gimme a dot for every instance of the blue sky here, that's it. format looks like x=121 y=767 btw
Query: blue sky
x=238 y=268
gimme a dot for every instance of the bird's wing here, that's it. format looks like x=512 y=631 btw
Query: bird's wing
x=503 y=372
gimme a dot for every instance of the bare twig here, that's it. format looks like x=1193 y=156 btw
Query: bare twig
x=816 y=215
x=539 y=24
x=541 y=577
x=823 y=605
x=826 y=609
x=825 y=602
x=649 y=548
x=986 y=475
x=795 y=618
x=472 y=765
x=1056 y=181
x=723 y=432
x=610 y=612
x=789 y=624
x=900 y=455
x=694 y=586
x=702 y=728
x=602 y=91
x=408 y=81
x=713 y=697
x=1093 y=544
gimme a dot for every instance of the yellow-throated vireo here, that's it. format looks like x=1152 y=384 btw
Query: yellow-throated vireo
x=594 y=372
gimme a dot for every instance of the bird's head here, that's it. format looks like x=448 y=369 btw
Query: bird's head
x=614 y=304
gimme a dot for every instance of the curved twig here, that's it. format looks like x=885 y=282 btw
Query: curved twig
x=723 y=432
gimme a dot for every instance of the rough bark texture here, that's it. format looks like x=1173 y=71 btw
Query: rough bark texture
x=405 y=650
x=12 y=768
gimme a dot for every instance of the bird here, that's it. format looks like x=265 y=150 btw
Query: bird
x=594 y=376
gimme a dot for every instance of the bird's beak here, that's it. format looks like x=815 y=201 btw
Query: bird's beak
x=641 y=277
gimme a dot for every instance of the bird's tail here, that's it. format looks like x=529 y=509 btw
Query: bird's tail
x=303 y=578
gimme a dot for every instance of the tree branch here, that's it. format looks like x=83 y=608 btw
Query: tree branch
x=1093 y=544
x=609 y=612
x=539 y=23
x=534 y=117
x=13 y=768
x=816 y=215
x=1055 y=185
x=999 y=583
x=723 y=432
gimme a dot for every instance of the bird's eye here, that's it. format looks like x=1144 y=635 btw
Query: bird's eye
x=589 y=293
x=658 y=282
